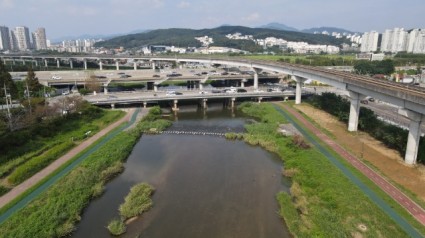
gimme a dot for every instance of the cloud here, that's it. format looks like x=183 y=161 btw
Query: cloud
x=252 y=17
x=184 y=4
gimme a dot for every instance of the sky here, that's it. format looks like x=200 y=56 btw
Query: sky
x=77 y=17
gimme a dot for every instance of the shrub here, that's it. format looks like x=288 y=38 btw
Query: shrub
x=299 y=142
x=137 y=201
x=117 y=227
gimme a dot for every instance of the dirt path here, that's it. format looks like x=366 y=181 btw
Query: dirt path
x=332 y=125
x=21 y=188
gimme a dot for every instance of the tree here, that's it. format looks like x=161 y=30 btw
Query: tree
x=31 y=81
x=92 y=84
x=6 y=81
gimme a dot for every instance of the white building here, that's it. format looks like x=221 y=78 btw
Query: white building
x=394 y=40
x=416 y=41
x=21 y=37
x=369 y=42
x=4 y=38
x=39 y=39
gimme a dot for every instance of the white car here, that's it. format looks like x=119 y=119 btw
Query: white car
x=56 y=77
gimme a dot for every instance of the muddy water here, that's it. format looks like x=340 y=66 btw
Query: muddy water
x=206 y=186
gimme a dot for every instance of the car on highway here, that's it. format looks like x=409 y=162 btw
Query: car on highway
x=241 y=90
x=174 y=75
x=101 y=77
x=173 y=93
x=56 y=77
x=156 y=75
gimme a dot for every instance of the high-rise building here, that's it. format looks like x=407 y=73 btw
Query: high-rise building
x=22 y=38
x=4 y=38
x=39 y=39
x=394 y=40
x=369 y=42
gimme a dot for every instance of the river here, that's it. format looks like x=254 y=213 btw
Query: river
x=205 y=186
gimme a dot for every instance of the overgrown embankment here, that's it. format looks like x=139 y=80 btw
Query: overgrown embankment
x=54 y=212
x=322 y=201
x=31 y=149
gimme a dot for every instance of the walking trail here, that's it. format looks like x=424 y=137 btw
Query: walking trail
x=21 y=188
x=413 y=208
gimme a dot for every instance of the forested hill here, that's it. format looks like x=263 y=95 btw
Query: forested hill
x=186 y=37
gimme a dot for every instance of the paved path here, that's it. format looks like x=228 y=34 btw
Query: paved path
x=21 y=188
x=413 y=208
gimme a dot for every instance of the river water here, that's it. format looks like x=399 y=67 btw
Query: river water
x=206 y=186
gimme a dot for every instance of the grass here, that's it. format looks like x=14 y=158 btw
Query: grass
x=54 y=212
x=323 y=202
x=137 y=201
x=24 y=166
x=117 y=227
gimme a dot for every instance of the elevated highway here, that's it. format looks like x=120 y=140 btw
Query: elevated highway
x=410 y=99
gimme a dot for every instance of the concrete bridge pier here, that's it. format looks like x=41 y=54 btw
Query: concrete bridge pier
x=243 y=81
x=23 y=62
x=175 y=107
x=85 y=64
x=71 y=64
x=58 y=63
x=155 y=87
x=414 y=135
x=135 y=65
x=100 y=65
x=45 y=63
x=232 y=102
x=105 y=90
x=204 y=103
x=112 y=105
x=36 y=63
x=117 y=65
x=353 y=120
x=201 y=86
x=13 y=62
x=259 y=99
x=145 y=104
x=153 y=65
x=298 y=89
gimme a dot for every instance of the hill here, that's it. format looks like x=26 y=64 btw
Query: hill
x=186 y=38
x=279 y=26
x=328 y=29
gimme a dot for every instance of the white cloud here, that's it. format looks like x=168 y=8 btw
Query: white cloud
x=252 y=17
x=184 y=4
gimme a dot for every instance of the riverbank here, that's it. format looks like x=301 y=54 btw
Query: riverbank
x=55 y=212
x=322 y=202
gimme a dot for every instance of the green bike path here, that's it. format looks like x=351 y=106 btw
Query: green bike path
x=409 y=229
x=40 y=188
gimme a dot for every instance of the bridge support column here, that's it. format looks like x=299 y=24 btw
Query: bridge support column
x=71 y=65
x=85 y=64
x=45 y=63
x=414 y=135
x=117 y=65
x=232 y=102
x=112 y=105
x=259 y=99
x=155 y=88
x=135 y=65
x=201 y=86
x=36 y=63
x=100 y=65
x=204 y=103
x=105 y=90
x=13 y=62
x=153 y=65
x=58 y=63
x=298 y=89
x=180 y=66
x=243 y=83
x=145 y=104
x=353 y=121
x=175 y=107
x=23 y=62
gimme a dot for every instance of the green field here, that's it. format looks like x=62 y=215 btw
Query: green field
x=322 y=201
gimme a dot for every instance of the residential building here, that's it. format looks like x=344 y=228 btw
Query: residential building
x=394 y=40
x=21 y=36
x=4 y=38
x=369 y=42
x=39 y=39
